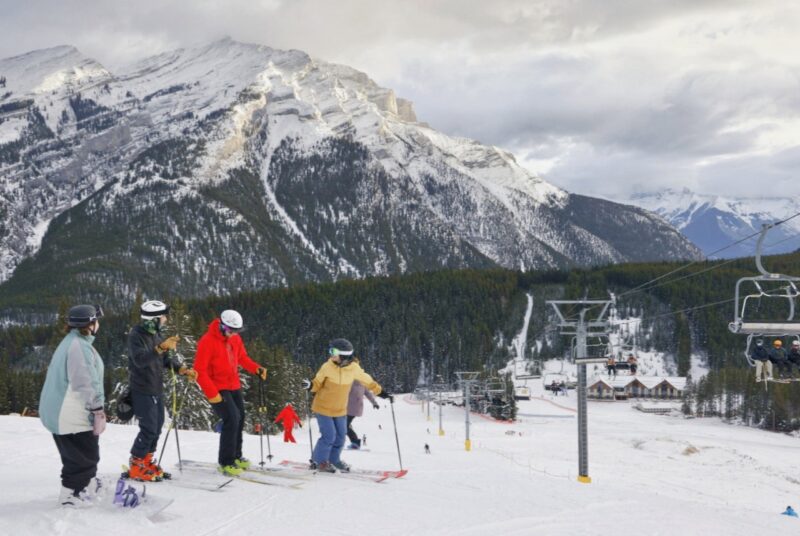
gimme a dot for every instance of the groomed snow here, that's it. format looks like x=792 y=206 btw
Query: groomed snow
x=650 y=475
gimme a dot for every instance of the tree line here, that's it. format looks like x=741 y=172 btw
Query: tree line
x=447 y=321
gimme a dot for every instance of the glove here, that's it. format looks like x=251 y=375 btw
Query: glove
x=375 y=406
x=170 y=343
x=388 y=396
x=262 y=372
x=190 y=372
x=98 y=418
x=216 y=399
x=306 y=384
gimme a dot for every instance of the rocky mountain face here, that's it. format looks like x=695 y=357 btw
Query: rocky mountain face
x=714 y=222
x=234 y=166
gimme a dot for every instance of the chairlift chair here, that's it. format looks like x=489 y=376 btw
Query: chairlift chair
x=768 y=286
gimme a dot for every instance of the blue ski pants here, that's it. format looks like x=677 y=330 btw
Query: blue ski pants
x=332 y=430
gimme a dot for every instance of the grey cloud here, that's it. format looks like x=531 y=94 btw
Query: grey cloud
x=550 y=79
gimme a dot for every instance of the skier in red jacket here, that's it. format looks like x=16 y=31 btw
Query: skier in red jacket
x=220 y=353
x=288 y=417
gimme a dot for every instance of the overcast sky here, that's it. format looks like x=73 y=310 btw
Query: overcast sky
x=602 y=97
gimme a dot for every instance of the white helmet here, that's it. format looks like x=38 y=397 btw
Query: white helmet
x=152 y=309
x=231 y=319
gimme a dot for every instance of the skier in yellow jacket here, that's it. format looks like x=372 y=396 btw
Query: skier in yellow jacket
x=331 y=387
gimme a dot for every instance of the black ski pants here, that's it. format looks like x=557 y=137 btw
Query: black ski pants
x=149 y=410
x=351 y=434
x=231 y=411
x=79 y=456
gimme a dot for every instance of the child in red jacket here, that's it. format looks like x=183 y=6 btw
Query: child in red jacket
x=288 y=417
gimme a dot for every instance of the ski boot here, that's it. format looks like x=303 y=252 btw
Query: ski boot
x=325 y=467
x=230 y=470
x=154 y=467
x=341 y=466
x=140 y=470
x=74 y=498
x=242 y=463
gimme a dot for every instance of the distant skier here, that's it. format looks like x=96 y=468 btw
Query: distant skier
x=355 y=408
x=427 y=449
x=763 y=365
x=794 y=356
x=611 y=366
x=779 y=358
x=220 y=353
x=364 y=440
x=71 y=406
x=331 y=387
x=633 y=364
x=563 y=388
x=554 y=387
x=789 y=512
x=288 y=417
x=148 y=355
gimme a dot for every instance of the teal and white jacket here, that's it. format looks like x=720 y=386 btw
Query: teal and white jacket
x=73 y=387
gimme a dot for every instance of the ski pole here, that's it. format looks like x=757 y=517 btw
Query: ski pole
x=176 y=409
x=263 y=411
x=310 y=438
x=396 y=439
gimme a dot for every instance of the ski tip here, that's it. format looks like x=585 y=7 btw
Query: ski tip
x=401 y=474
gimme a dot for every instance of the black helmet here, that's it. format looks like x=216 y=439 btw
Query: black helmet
x=125 y=405
x=152 y=309
x=342 y=348
x=759 y=342
x=81 y=316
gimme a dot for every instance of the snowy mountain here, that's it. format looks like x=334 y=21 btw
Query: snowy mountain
x=651 y=474
x=235 y=166
x=712 y=222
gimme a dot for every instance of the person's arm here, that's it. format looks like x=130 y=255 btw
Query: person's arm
x=370 y=397
x=319 y=380
x=80 y=377
x=244 y=360
x=141 y=353
x=201 y=360
x=366 y=380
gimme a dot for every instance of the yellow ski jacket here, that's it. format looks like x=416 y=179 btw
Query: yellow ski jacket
x=332 y=385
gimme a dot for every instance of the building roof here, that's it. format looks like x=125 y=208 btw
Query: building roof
x=621 y=382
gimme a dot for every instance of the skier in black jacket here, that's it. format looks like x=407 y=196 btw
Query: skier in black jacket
x=761 y=356
x=794 y=356
x=148 y=356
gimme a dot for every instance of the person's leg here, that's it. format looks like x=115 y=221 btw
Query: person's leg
x=327 y=431
x=351 y=434
x=160 y=416
x=238 y=401
x=227 y=411
x=769 y=370
x=340 y=426
x=146 y=408
x=79 y=456
x=759 y=370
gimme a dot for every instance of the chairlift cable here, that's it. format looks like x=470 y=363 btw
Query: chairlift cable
x=641 y=288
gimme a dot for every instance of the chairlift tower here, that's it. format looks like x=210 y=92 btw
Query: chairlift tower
x=467 y=380
x=582 y=328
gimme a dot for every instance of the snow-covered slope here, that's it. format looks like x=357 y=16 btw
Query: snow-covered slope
x=310 y=168
x=650 y=475
x=712 y=222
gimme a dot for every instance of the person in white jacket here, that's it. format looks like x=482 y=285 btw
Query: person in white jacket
x=71 y=406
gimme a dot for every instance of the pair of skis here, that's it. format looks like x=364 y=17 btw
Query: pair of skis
x=373 y=475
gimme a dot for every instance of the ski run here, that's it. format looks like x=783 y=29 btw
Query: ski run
x=651 y=474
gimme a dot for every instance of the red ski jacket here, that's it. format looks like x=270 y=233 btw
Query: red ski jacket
x=218 y=359
x=288 y=416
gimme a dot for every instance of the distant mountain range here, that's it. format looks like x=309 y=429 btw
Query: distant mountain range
x=234 y=166
x=713 y=222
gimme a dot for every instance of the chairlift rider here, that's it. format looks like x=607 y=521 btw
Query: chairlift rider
x=794 y=356
x=763 y=363
x=779 y=358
